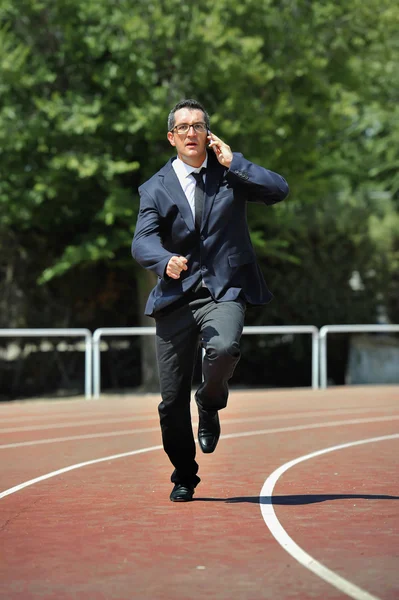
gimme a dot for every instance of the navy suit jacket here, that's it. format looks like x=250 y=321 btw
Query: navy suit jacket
x=222 y=252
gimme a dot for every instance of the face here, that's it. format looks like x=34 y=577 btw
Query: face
x=191 y=147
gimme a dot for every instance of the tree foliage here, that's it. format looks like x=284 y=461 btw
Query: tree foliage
x=308 y=89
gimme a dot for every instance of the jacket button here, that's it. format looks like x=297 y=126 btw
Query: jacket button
x=202 y=237
x=203 y=268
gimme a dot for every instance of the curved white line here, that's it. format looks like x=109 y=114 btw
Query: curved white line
x=72 y=438
x=288 y=543
x=151 y=448
x=268 y=513
x=21 y=486
x=121 y=432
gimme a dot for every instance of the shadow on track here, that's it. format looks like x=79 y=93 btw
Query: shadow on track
x=297 y=499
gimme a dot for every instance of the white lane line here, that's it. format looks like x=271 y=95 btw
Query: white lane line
x=151 y=448
x=106 y=415
x=71 y=438
x=75 y=424
x=57 y=416
x=315 y=413
x=21 y=486
x=312 y=426
x=285 y=416
x=224 y=436
x=279 y=533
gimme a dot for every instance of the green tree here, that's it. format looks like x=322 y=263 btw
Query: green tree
x=306 y=89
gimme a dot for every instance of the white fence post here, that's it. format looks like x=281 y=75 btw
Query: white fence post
x=97 y=335
x=345 y=329
x=86 y=333
x=249 y=330
x=280 y=329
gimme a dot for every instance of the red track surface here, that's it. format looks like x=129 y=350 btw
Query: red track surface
x=107 y=530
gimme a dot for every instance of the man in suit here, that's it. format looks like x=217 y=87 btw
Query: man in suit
x=192 y=232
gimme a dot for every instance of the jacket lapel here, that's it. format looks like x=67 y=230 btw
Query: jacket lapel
x=172 y=185
x=170 y=182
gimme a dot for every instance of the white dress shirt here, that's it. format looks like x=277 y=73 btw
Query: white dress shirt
x=188 y=183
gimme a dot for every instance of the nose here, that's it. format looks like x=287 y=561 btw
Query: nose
x=191 y=130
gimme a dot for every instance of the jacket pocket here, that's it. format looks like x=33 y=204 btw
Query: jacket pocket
x=241 y=258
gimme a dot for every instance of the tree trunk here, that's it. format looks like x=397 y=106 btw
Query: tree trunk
x=149 y=370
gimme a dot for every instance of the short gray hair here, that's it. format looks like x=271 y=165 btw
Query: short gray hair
x=191 y=105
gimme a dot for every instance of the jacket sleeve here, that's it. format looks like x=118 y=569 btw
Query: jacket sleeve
x=262 y=185
x=147 y=247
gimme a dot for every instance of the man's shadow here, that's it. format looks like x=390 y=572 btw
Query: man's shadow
x=297 y=499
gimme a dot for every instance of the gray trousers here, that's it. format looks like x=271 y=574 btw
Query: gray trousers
x=216 y=327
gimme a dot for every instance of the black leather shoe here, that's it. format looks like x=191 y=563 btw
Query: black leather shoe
x=182 y=493
x=208 y=430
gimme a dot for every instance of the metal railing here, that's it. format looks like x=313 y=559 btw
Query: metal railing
x=108 y=331
x=345 y=329
x=93 y=350
x=250 y=330
x=85 y=333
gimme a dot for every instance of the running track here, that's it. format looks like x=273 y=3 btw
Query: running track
x=300 y=500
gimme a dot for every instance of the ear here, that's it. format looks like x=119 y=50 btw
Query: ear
x=171 y=138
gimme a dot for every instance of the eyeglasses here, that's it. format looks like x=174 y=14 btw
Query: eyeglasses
x=184 y=128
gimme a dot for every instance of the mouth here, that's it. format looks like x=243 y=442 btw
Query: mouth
x=191 y=145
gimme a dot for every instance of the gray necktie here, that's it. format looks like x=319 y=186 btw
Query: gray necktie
x=199 y=197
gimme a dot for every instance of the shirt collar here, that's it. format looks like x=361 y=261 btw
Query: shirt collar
x=185 y=170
